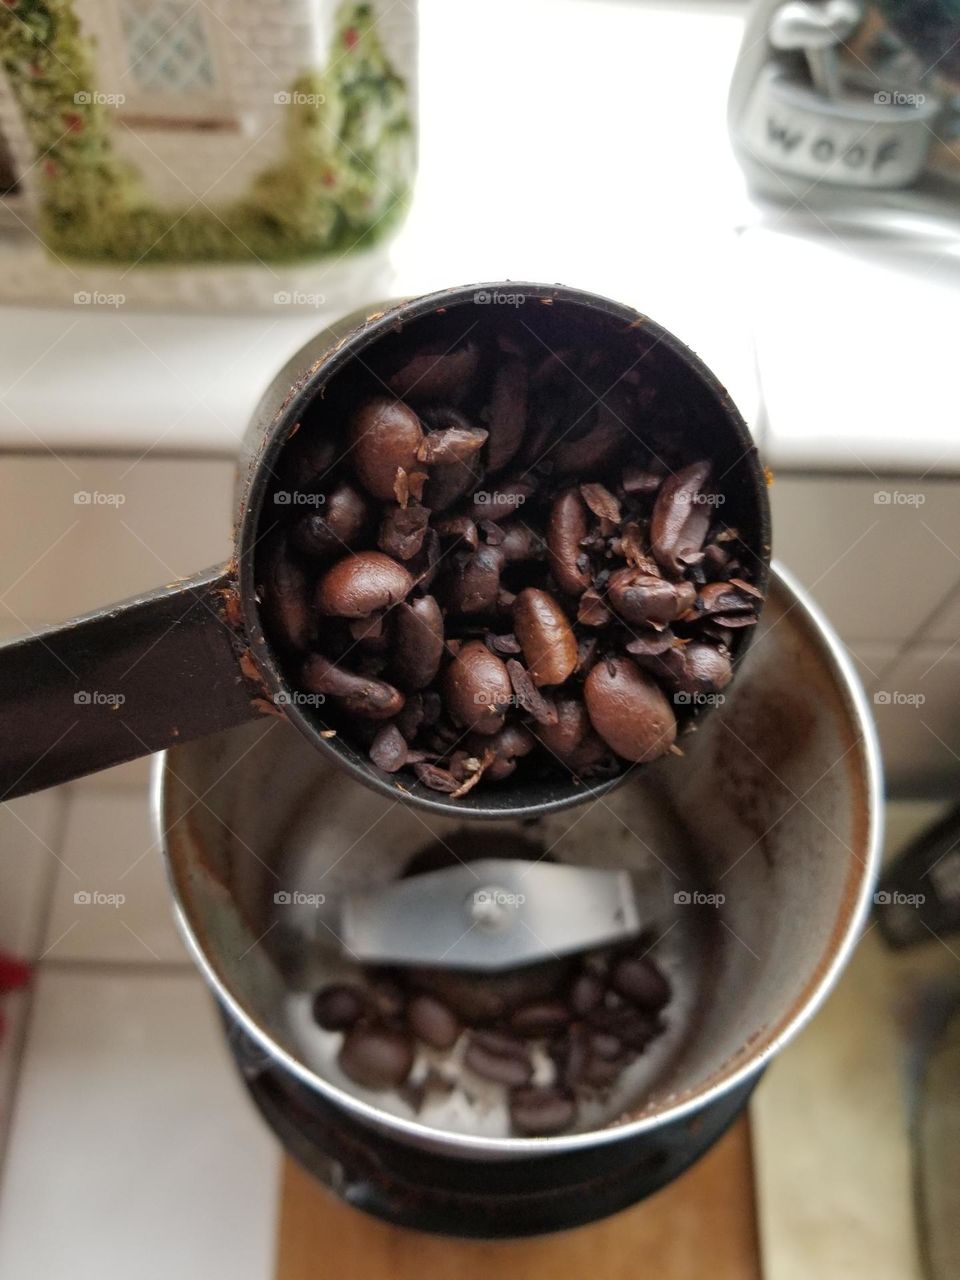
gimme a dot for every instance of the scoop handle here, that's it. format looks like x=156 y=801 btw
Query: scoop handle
x=125 y=681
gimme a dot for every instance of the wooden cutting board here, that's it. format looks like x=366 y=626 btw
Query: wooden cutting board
x=704 y=1224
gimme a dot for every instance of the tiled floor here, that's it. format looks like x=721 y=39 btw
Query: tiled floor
x=130 y=1147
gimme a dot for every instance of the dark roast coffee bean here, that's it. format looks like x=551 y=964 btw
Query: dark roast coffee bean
x=340 y=522
x=389 y=749
x=606 y=1045
x=476 y=687
x=548 y=644
x=453 y=444
x=436 y=372
x=508 y=412
x=286 y=602
x=418 y=642
x=361 y=583
x=629 y=711
x=542 y=1018
x=679 y=523
x=641 y=981
x=538 y=1111
x=403 y=530
x=498 y=1057
x=360 y=695
x=432 y=1022
x=585 y=994
x=566 y=530
x=601 y=1072
x=642 y=599
x=339 y=1007
x=376 y=1057
x=384 y=438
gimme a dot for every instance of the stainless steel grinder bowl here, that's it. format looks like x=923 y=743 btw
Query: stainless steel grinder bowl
x=752 y=857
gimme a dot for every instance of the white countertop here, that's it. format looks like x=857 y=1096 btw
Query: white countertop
x=581 y=141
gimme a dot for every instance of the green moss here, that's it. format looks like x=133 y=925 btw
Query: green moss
x=341 y=183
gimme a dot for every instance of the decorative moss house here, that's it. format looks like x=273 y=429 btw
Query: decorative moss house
x=154 y=132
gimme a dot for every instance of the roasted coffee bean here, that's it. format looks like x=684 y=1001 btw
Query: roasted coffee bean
x=337 y=527
x=601 y=1072
x=339 y=1007
x=384 y=438
x=286 y=602
x=549 y=645
x=517 y=542
x=437 y=372
x=476 y=687
x=648 y=601
x=679 y=523
x=361 y=695
x=629 y=711
x=592 y=450
x=389 y=749
x=508 y=745
x=376 y=1057
x=591 y=611
x=606 y=1045
x=433 y=1022
x=586 y=994
x=566 y=530
x=361 y=583
x=418 y=640
x=403 y=530
x=529 y=697
x=475 y=586
x=541 y=1018
x=498 y=1057
x=601 y=502
x=538 y=1111
x=639 y=979
x=690 y=668
x=453 y=444
x=507 y=415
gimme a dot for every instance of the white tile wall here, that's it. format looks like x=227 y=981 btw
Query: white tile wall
x=887 y=574
x=110 y=850
x=878 y=569
x=151 y=520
